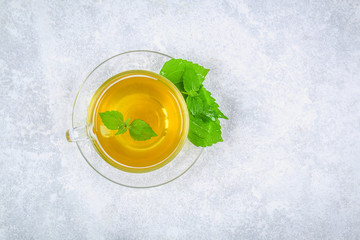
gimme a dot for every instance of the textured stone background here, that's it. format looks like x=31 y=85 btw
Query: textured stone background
x=287 y=73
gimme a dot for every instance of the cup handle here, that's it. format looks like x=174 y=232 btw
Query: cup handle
x=77 y=134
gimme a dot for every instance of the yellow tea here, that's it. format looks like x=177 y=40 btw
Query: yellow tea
x=144 y=95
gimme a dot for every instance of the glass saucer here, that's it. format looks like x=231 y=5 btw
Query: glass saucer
x=132 y=60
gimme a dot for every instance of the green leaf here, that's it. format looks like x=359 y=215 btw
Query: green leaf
x=180 y=86
x=204 y=133
x=127 y=122
x=211 y=108
x=173 y=70
x=204 y=112
x=122 y=129
x=112 y=119
x=194 y=104
x=200 y=71
x=191 y=80
x=140 y=130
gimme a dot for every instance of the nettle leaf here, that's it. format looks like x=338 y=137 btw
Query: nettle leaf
x=173 y=70
x=122 y=129
x=204 y=133
x=204 y=112
x=112 y=119
x=191 y=80
x=200 y=71
x=140 y=130
x=127 y=122
x=194 y=104
x=180 y=86
x=211 y=108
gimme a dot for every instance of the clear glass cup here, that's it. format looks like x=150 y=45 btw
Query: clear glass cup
x=81 y=133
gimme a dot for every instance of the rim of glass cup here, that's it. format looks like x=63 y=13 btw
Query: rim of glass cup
x=77 y=144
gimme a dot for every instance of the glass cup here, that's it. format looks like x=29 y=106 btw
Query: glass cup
x=81 y=132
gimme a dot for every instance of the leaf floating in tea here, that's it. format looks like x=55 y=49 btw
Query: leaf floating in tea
x=139 y=129
x=204 y=112
x=127 y=122
x=112 y=119
x=122 y=129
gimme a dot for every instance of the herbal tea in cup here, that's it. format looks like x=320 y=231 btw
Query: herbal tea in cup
x=138 y=120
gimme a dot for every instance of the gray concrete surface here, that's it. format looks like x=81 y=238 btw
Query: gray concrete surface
x=287 y=73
